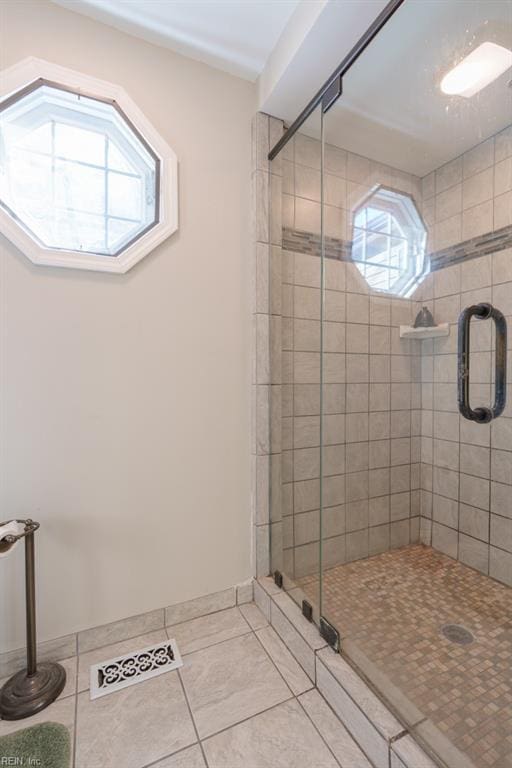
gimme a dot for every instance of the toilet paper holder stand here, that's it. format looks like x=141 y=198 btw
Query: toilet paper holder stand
x=32 y=689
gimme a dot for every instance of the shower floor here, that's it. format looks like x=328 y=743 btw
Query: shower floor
x=389 y=610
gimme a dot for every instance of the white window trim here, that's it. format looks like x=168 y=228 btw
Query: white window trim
x=28 y=71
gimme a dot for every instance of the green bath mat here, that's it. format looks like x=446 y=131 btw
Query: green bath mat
x=45 y=746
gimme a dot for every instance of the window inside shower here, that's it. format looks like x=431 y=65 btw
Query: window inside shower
x=388 y=242
x=391 y=513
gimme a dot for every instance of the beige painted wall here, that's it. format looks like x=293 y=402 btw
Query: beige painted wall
x=125 y=413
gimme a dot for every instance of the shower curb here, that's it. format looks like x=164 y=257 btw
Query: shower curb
x=386 y=742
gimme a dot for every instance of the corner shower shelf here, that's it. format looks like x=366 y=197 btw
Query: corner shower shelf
x=408 y=332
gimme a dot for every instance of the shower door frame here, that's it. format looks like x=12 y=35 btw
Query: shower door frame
x=329 y=93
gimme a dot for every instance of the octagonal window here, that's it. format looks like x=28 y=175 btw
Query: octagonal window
x=389 y=242
x=75 y=172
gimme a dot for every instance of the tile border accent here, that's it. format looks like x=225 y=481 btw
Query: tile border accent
x=95 y=637
x=311 y=243
x=383 y=739
x=490 y=242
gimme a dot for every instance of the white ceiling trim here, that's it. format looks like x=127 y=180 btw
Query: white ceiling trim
x=236 y=37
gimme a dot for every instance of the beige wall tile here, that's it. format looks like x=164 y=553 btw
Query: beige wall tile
x=503 y=177
x=477 y=188
x=503 y=144
x=477 y=220
x=503 y=210
x=478 y=158
x=445 y=539
x=448 y=203
x=500 y=565
x=448 y=175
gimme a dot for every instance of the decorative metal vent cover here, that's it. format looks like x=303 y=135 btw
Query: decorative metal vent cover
x=115 y=674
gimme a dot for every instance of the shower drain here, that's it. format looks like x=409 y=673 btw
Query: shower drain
x=457 y=634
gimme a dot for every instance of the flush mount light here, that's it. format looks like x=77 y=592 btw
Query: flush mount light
x=477 y=70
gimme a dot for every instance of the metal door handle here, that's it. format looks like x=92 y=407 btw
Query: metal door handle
x=482 y=312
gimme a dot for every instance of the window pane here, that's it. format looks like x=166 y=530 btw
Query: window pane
x=119 y=232
x=358 y=243
x=125 y=196
x=398 y=254
x=83 y=231
x=78 y=144
x=396 y=229
x=71 y=163
x=360 y=218
x=29 y=183
x=388 y=245
x=377 y=247
x=377 y=220
x=117 y=161
x=79 y=187
x=37 y=140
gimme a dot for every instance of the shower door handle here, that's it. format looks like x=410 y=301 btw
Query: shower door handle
x=482 y=312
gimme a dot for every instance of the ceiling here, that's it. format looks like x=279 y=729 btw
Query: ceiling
x=392 y=108
x=236 y=36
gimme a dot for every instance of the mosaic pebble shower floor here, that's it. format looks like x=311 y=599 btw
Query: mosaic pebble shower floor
x=392 y=608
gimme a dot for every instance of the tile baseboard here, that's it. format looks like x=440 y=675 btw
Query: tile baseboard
x=92 y=638
x=50 y=650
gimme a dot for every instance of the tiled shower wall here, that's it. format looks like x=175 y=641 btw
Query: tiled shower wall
x=376 y=389
x=466 y=474
x=266 y=377
x=471 y=195
x=372 y=390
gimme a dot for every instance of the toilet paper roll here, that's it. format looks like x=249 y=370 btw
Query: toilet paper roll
x=11 y=528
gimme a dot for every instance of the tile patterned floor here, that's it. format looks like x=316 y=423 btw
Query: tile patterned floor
x=239 y=701
x=392 y=607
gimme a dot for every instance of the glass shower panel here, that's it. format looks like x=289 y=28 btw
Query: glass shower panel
x=295 y=284
x=417 y=212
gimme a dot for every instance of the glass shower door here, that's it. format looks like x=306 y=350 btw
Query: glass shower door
x=417 y=208
x=296 y=341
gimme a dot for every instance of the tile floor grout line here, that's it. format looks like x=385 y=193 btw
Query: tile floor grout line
x=257 y=713
x=213 y=645
x=249 y=717
x=117 y=642
x=297 y=630
x=338 y=718
x=75 y=729
x=315 y=726
x=171 y=754
x=274 y=663
x=163 y=628
x=356 y=704
x=245 y=632
x=203 y=616
x=192 y=717
x=75 y=715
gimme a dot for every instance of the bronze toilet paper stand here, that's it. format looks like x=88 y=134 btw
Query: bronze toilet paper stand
x=34 y=688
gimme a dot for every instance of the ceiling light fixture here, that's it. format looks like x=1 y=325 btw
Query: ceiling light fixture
x=477 y=70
